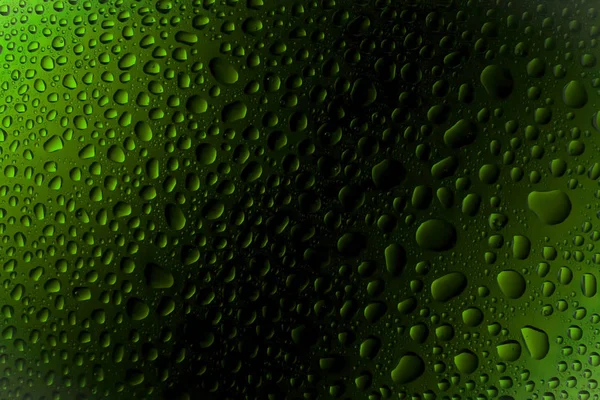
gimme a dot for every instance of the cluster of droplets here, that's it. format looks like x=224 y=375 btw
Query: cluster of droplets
x=246 y=199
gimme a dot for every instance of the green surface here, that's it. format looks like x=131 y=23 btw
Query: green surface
x=260 y=199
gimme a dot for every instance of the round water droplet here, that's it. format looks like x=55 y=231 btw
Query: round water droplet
x=497 y=81
x=436 y=235
x=512 y=284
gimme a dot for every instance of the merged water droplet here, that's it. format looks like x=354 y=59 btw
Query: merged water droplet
x=551 y=207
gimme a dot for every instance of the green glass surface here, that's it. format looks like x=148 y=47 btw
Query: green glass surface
x=331 y=199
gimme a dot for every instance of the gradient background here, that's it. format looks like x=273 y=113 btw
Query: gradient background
x=260 y=199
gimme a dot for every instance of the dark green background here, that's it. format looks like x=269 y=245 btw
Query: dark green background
x=266 y=199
